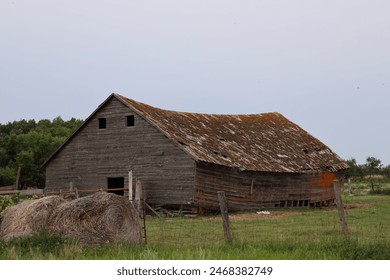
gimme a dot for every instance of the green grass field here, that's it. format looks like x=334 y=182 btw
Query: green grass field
x=286 y=234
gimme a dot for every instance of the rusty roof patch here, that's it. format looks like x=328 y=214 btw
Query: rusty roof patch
x=257 y=142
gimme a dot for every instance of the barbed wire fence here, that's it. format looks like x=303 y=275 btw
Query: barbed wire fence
x=248 y=226
x=179 y=228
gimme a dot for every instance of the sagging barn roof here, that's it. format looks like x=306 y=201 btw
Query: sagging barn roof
x=258 y=142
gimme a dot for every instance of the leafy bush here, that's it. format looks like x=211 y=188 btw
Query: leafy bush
x=7 y=201
x=7 y=176
x=381 y=192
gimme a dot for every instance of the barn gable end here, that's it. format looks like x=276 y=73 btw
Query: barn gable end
x=94 y=154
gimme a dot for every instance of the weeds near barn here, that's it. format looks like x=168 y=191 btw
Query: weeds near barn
x=288 y=234
x=7 y=201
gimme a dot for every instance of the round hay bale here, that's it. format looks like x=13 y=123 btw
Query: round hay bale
x=97 y=219
x=28 y=217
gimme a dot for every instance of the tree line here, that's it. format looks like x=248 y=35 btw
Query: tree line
x=26 y=144
x=372 y=166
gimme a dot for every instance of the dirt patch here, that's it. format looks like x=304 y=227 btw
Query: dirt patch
x=357 y=206
x=352 y=207
x=277 y=214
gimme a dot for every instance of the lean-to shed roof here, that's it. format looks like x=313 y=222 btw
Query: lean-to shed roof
x=259 y=142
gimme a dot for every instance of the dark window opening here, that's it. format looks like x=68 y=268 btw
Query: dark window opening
x=130 y=120
x=116 y=185
x=102 y=123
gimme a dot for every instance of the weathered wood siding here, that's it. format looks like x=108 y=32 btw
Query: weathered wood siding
x=94 y=154
x=251 y=190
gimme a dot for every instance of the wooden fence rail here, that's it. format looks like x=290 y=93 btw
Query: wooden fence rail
x=91 y=190
x=22 y=192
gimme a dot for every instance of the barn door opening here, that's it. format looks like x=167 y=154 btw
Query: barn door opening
x=113 y=184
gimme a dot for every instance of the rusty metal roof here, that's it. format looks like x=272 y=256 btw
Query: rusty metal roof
x=257 y=142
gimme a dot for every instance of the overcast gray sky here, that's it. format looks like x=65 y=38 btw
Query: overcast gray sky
x=325 y=65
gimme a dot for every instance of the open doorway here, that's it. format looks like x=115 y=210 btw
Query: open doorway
x=116 y=183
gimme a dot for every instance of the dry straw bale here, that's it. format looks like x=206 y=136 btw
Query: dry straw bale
x=95 y=219
x=28 y=217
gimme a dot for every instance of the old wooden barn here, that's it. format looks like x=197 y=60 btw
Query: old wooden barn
x=186 y=158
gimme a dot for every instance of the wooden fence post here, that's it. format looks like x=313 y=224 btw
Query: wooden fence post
x=76 y=191
x=138 y=196
x=131 y=186
x=340 y=207
x=225 y=215
x=139 y=204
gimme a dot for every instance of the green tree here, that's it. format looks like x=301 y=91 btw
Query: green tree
x=7 y=176
x=354 y=170
x=28 y=144
x=373 y=166
x=386 y=171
